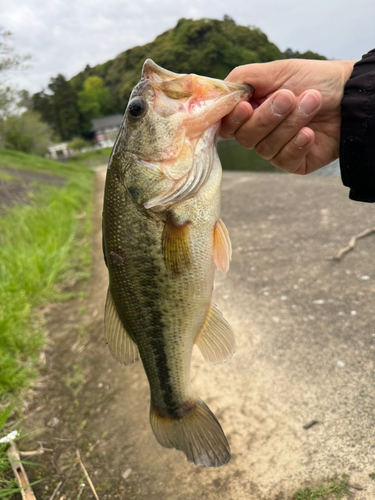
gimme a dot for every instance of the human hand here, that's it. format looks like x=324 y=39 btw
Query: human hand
x=294 y=116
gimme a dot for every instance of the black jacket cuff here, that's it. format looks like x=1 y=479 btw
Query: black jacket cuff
x=357 y=140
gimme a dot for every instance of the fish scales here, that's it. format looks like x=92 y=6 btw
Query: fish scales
x=159 y=236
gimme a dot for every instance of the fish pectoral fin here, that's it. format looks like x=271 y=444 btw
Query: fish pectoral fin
x=216 y=339
x=122 y=347
x=222 y=247
x=176 y=246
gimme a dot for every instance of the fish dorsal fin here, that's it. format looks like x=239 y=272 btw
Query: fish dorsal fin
x=122 y=347
x=216 y=339
x=222 y=247
x=176 y=246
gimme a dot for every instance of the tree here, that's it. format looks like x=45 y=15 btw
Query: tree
x=92 y=100
x=58 y=107
x=290 y=54
x=8 y=60
x=26 y=133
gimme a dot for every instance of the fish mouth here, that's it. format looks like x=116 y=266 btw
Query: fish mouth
x=204 y=100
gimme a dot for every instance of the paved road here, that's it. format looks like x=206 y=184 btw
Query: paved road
x=306 y=347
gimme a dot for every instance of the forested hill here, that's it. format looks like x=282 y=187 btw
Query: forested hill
x=207 y=46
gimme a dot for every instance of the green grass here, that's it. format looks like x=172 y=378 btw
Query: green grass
x=8 y=484
x=93 y=158
x=331 y=489
x=40 y=245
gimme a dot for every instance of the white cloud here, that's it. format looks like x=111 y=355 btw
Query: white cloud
x=64 y=36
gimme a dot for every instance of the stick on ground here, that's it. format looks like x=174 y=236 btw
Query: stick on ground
x=352 y=242
x=86 y=474
x=23 y=481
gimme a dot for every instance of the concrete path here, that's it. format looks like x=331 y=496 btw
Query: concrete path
x=306 y=347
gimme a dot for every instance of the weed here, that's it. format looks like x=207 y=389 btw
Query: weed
x=82 y=310
x=372 y=476
x=331 y=489
x=82 y=330
x=76 y=380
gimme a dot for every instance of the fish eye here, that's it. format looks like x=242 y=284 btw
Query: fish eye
x=137 y=107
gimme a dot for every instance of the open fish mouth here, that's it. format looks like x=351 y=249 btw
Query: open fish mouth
x=204 y=100
x=196 y=104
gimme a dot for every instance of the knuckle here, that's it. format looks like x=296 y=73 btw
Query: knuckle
x=244 y=139
x=263 y=149
x=289 y=127
x=226 y=134
x=263 y=122
x=289 y=159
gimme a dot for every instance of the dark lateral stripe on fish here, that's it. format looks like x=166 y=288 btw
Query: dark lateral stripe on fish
x=156 y=338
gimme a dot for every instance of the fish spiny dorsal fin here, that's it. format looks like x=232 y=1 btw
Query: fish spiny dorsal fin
x=176 y=246
x=216 y=339
x=122 y=347
x=222 y=247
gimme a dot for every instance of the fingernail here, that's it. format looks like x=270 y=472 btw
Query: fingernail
x=239 y=114
x=301 y=140
x=281 y=104
x=308 y=103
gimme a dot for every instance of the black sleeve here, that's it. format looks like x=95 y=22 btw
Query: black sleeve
x=357 y=141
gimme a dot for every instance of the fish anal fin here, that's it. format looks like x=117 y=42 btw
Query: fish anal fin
x=176 y=246
x=216 y=339
x=122 y=347
x=222 y=247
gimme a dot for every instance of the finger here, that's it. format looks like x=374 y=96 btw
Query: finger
x=308 y=105
x=266 y=118
x=232 y=122
x=292 y=157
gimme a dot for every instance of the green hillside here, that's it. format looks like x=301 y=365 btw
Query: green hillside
x=205 y=46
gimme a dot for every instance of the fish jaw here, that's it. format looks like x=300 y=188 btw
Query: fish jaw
x=186 y=110
x=203 y=100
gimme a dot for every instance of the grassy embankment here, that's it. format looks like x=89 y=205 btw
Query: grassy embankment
x=42 y=243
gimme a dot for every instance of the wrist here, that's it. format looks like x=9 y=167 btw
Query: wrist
x=346 y=70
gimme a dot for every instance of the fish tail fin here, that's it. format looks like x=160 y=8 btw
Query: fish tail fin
x=196 y=432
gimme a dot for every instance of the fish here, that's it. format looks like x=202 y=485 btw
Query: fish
x=162 y=240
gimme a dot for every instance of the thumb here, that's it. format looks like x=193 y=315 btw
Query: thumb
x=265 y=78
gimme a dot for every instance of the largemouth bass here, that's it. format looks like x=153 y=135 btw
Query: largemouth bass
x=162 y=237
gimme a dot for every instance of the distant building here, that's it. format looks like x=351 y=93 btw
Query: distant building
x=106 y=130
x=59 y=151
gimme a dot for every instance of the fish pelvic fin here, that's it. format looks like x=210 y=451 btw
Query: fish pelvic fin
x=122 y=347
x=222 y=247
x=176 y=246
x=216 y=339
x=197 y=433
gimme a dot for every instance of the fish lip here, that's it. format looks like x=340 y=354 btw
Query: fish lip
x=163 y=75
x=150 y=66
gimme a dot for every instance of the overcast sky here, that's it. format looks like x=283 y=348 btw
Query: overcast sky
x=62 y=36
